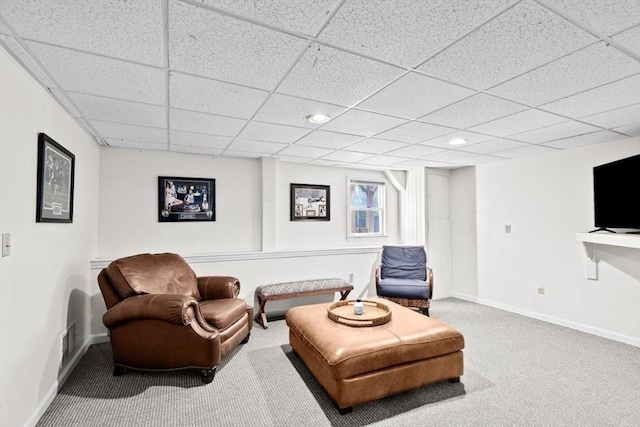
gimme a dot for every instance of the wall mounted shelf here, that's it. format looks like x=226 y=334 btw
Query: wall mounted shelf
x=618 y=239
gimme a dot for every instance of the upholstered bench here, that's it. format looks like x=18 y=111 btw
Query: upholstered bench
x=360 y=364
x=296 y=289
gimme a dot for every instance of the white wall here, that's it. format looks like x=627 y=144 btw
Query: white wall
x=546 y=199
x=46 y=283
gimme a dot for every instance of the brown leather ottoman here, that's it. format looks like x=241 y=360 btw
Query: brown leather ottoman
x=361 y=364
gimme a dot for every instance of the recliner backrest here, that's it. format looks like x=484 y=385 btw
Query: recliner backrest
x=165 y=273
x=404 y=262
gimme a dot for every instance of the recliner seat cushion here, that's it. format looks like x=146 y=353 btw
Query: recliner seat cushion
x=403 y=288
x=224 y=312
x=404 y=262
x=153 y=274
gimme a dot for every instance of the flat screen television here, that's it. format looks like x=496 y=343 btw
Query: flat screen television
x=616 y=194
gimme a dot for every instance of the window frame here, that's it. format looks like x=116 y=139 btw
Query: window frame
x=381 y=209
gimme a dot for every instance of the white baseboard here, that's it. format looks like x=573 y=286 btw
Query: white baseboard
x=64 y=376
x=555 y=320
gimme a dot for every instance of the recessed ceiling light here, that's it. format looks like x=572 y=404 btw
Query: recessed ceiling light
x=458 y=141
x=318 y=118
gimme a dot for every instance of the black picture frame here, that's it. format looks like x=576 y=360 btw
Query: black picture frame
x=310 y=202
x=56 y=176
x=186 y=199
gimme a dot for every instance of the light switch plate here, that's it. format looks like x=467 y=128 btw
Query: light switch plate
x=6 y=244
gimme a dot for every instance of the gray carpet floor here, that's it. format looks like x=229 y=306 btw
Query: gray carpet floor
x=518 y=372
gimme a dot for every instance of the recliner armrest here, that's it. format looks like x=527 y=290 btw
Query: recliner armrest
x=172 y=308
x=217 y=287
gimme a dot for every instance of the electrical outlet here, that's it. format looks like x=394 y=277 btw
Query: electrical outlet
x=507 y=228
x=350 y=277
x=541 y=290
x=6 y=244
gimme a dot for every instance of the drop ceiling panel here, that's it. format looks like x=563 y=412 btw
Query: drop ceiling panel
x=304 y=151
x=396 y=31
x=415 y=151
x=272 y=132
x=67 y=23
x=81 y=72
x=580 y=140
x=335 y=140
x=179 y=138
x=119 y=111
x=418 y=163
x=335 y=76
x=375 y=146
x=289 y=110
x=604 y=98
x=382 y=161
x=470 y=137
x=472 y=111
x=304 y=16
x=262 y=147
x=364 y=123
x=585 y=69
x=142 y=145
x=486 y=57
x=205 y=123
x=526 y=151
x=413 y=132
x=346 y=156
x=493 y=146
x=111 y=131
x=194 y=149
x=213 y=45
x=64 y=100
x=28 y=62
x=630 y=39
x=606 y=16
x=461 y=158
x=559 y=131
x=414 y=95
x=617 y=119
x=518 y=123
x=211 y=96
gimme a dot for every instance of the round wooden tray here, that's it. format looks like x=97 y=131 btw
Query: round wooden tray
x=374 y=313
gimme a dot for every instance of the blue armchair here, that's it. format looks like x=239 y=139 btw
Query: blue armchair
x=404 y=278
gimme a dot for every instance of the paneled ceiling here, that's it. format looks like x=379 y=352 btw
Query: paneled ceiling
x=400 y=79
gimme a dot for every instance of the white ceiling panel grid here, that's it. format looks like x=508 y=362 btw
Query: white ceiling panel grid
x=398 y=79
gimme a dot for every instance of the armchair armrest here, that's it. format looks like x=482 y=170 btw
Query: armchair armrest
x=217 y=287
x=430 y=281
x=171 y=308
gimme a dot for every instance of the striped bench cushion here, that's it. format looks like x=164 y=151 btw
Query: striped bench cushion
x=299 y=286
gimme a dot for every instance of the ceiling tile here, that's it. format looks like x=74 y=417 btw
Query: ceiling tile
x=553 y=132
x=486 y=57
x=335 y=76
x=289 y=110
x=3 y=28
x=625 y=120
x=209 y=44
x=272 y=132
x=64 y=100
x=210 y=96
x=346 y=156
x=472 y=111
x=375 y=146
x=204 y=123
x=518 y=123
x=112 y=131
x=119 y=111
x=142 y=145
x=105 y=27
x=461 y=158
x=262 y=147
x=320 y=138
x=493 y=146
x=585 y=69
x=195 y=149
x=607 y=16
x=297 y=150
x=414 y=95
x=22 y=56
x=362 y=123
x=604 y=98
x=529 y=150
x=304 y=16
x=580 y=140
x=414 y=151
x=470 y=137
x=322 y=162
x=382 y=161
x=413 y=132
x=81 y=72
x=419 y=163
x=396 y=31
x=201 y=140
x=630 y=39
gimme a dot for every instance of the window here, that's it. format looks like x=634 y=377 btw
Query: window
x=366 y=208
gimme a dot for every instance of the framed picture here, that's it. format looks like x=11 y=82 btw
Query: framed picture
x=56 y=168
x=310 y=202
x=186 y=199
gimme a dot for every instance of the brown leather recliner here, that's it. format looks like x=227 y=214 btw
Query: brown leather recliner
x=161 y=316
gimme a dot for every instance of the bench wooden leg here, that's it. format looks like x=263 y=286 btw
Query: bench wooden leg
x=344 y=294
x=262 y=316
